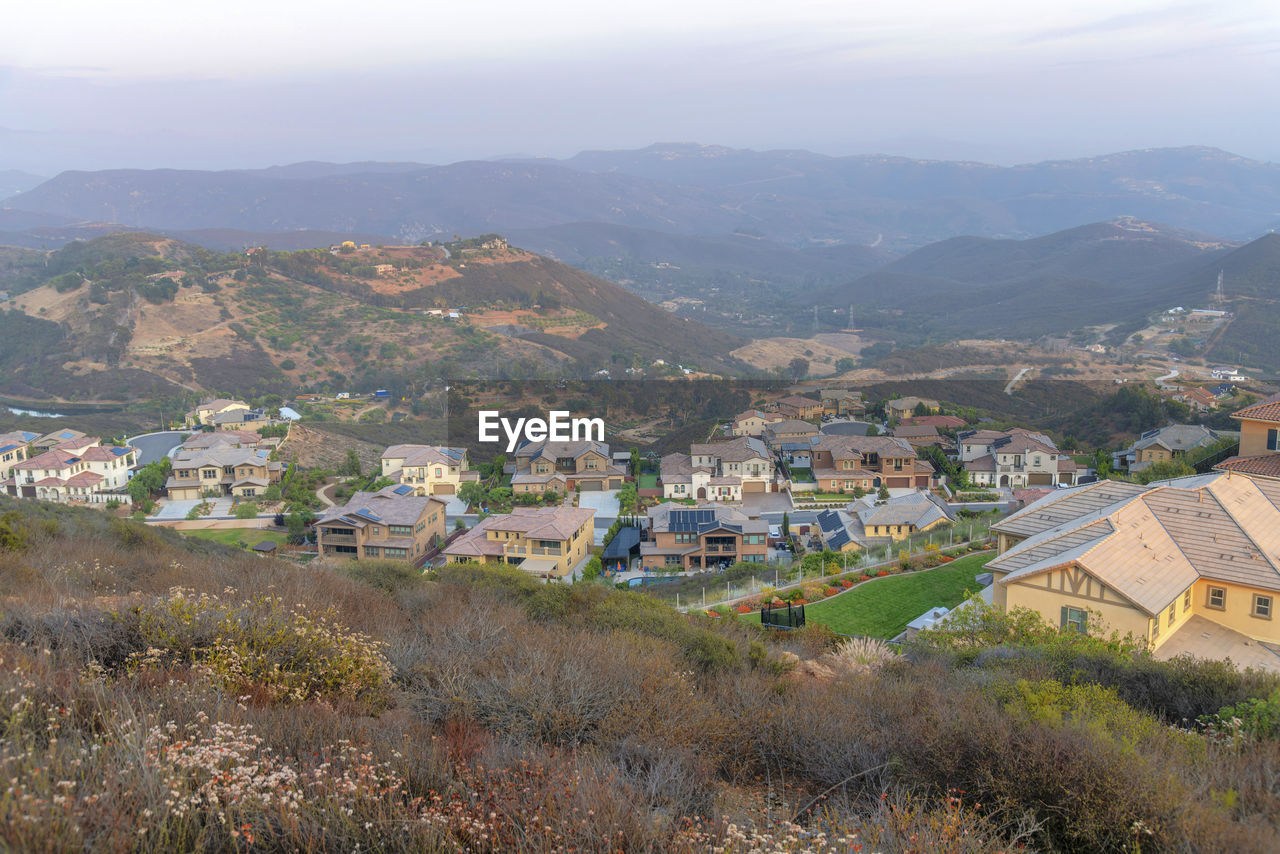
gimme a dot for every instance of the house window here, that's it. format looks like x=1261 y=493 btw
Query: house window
x=1273 y=444
x=1155 y=628
x=1217 y=598
x=371 y=551
x=395 y=552
x=399 y=530
x=673 y=560
x=1262 y=606
x=1173 y=613
x=1075 y=619
x=1186 y=602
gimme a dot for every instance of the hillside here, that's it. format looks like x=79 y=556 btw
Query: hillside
x=132 y=315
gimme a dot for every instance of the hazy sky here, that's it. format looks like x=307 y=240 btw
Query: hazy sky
x=147 y=83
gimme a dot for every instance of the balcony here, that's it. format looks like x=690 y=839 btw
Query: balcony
x=533 y=551
x=329 y=539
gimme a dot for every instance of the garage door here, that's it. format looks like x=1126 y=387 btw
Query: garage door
x=589 y=485
x=444 y=489
x=754 y=486
x=1040 y=478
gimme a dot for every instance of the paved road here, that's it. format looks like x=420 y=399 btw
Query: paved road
x=152 y=446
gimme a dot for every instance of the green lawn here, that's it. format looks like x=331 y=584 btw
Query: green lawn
x=235 y=536
x=648 y=481
x=883 y=608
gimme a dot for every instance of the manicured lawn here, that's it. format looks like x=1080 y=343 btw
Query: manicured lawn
x=235 y=536
x=648 y=481
x=830 y=496
x=883 y=608
x=800 y=474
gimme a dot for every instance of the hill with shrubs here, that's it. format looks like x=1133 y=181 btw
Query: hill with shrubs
x=164 y=693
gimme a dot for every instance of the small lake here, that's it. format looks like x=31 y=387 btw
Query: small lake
x=31 y=413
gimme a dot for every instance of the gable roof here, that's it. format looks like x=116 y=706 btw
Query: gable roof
x=1263 y=465
x=386 y=506
x=1263 y=410
x=1177 y=437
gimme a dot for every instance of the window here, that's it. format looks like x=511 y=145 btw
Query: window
x=371 y=551
x=1173 y=613
x=1186 y=602
x=1155 y=628
x=673 y=560
x=399 y=530
x=1273 y=440
x=1217 y=598
x=1075 y=619
x=395 y=552
x=1261 y=606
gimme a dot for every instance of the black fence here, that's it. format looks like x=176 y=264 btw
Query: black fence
x=1204 y=466
x=790 y=617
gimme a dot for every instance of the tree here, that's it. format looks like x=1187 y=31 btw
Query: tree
x=920 y=409
x=883 y=494
x=873 y=430
x=845 y=364
x=799 y=367
x=635 y=461
x=246 y=510
x=786 y=525
x=593 y=570
x=351 y=466
x=472 y=492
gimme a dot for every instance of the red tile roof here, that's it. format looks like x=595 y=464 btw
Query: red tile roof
x=1263 y=465
x=1263 y=410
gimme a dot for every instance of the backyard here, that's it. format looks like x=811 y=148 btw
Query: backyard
x=883 y=608
x=648 y=481
x=245 y=537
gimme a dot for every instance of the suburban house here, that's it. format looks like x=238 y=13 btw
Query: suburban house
x=429 y=469
x=917 y=436
x=1198 y=399
x=1231 y=375
x=79 y=470
x=839 y=531
x=797 y=406
x=699 y=538
x=900 y=516
x=546 y=541
x=225 y=439
x=718 y=471
x=901 y=407
x=1259 y=440
x=1223 y=390
x=242 y=419
x=752 y=422
x=867 y=462
x=842 y=403
x=939 y=422
x=565 y=466
x=390 y=523
x=789 y=431
x=1166 y=444
x=204 y=413
x=1015 y=458
x=58 y=438
x=1191 y=566
x=13 y=449
x=219 y=472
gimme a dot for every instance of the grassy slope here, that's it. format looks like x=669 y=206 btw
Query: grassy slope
x=883 y=608
x=236 y=536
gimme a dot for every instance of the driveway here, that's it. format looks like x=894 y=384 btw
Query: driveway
x=756 y=503
x=604 y=502
x=178 y=510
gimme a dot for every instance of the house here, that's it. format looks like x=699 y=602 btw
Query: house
x=58 y=438
x=682 y=538
x=797 y=406
x=1229 y=375
x=565 y=466
x=390 y=523
x=1015 y=459
x=1198 y=399
x=790 y=430
x=1191 y=566
x=1166 y=444
x=917 y=436
x=1223 y=390
x=204 y=413
x=752 y=422
x=242 y=419
x=13 y=449
x=549 y=542
x=939 y=422
x=223 y=439
x=718 y=471
x=839 y=531
x=219 y=472
x=842 y=403
x=846 y=463
x=1259 y=440
x=900 y=516
x=903 y=406
x=78 y=470
x=429 y=469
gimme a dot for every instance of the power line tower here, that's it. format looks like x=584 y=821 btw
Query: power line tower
x=815 y=320
x=849 y=322
x=1218 y=297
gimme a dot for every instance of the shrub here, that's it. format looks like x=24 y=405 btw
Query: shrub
x=863 y=655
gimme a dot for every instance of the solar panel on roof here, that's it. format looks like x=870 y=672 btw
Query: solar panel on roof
x=365 y=511
x=402 y=489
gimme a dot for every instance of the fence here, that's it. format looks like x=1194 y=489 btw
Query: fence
x=791 y=617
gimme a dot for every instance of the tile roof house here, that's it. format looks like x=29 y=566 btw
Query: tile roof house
x=841 y=402
x=798 y=406
x=703 y=537
x=78 y=470
x=1197 y=398
x=718 y=471
x=903 y=406
x=57 y=438
x=1166 y=444
x=565 y=466
x=900 y=516
x=222 y=471
x=1015 y=459
x=941 y=422
x=1190 y=565
x=790 y=430
x=241 y=419
x=13 y=449
x=222 y=439
x=752 y=422
x=393 y=523
x=429 y=469
x=917 y=435
x=205 y=412
x=550 y=542
x=867 y=462
x=1259 y=440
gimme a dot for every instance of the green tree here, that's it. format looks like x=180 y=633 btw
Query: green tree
x=246 y=510
x=473 y=492
x=845 y=364
x=635 y=461
x=593 y=570
x=883 y=494
x=786 y=525
x=351 y=466
x=799 y=367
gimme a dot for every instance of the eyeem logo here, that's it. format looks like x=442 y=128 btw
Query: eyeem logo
x=558 y=427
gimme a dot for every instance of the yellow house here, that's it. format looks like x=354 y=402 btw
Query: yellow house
x=1259 y=427
x=207 y=412
x=752 y=422
x=429 y=469
x=1189 y=566
x=547 y=541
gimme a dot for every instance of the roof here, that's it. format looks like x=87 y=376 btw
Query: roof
x=942 y=422
x=734 y=451
x=537 y=523
x=1150 y=543
x=798 y=401
x=385 y=506
x=227 y=438
x=910 y=402
x=266 y=546
x=1263 y=465
x=560 y=450
x=916 y=431
x=1263 y=410
x=792 y=425
x=841 y=446
x=623 y=542
x=1066 y=504
x=220 y=456
x=423 y=455
x=916 y=508
x=1177 y=437
x=675 y=519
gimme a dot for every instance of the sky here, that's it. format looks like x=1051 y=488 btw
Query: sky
x=234 y=84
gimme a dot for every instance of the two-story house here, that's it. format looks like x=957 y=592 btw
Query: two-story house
x=80 y=470
x=565 y=466
x=719 y=471
x=205 y=412
x=550 y=542
x=203 y=441
x=842 y=403
x=799 y=407
x=868 y=462
x=13 y=450
x=242 y=419
x=429 y=469
x=393 y=522
x=1191 y=566
x=789 y=432
x=1259 y=440
x=681 y=538
x=219 y=472
x=901 y=407
x=1015 y=459
x=752 y=422
x=1166 y=444
x=900 y=516
x=65 y=438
